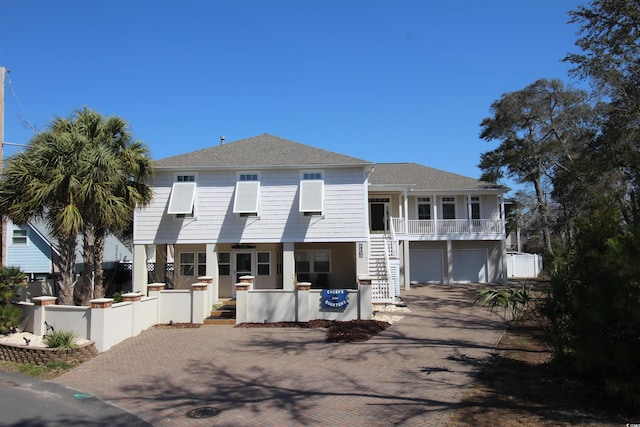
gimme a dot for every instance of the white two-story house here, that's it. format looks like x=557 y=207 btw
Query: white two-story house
x=285 y=212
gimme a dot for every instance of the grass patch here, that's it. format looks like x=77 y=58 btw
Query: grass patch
x=43 y=372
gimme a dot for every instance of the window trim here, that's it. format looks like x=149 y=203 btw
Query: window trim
x=228 y=264
x=424 y=201
x=259 y=263
x=451 y=201
x=181 y=264
x=475 y=201
x=26 y=237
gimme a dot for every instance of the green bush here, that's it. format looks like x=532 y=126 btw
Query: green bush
x=10 y=317
x=61 y=340
x=11 y=279
x=510 y=299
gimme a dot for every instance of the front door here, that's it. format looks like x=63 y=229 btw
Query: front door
x=378 y=215
x=243 y=264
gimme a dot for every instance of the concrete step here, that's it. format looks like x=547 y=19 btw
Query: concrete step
x=219 y=321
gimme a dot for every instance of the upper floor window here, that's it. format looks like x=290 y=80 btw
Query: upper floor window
x=183 y=196
x=19 y=237
x=248 y=177
x=424 y=208
x=311 y=192
x=247 y=195
x=448 y=208
x=475 y=207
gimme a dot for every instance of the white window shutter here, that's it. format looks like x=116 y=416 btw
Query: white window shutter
x=183 y=195
x=311 y=196
x=247 y=194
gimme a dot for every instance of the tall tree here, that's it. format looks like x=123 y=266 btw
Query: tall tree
x=610 y=59
x=42 y=182
x=86 y=175
x=538 y=127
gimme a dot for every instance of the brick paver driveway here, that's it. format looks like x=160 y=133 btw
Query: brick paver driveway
x=411 y=374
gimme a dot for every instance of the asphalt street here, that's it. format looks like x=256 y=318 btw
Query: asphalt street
x=28 y=402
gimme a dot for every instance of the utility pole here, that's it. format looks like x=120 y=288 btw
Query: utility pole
x=3 y=228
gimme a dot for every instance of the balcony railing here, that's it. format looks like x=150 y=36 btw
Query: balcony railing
x=426 y=227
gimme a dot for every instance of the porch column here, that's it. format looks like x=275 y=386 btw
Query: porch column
x=449 y=262
x=469 y=213
x=362 y=258
x=406 y=264
x=212 y=272
x=288 y=266
x=504 y=219
x=435 y=214
x=406 y=212
x=504 y=276
x=140 y=274
x=161 y=263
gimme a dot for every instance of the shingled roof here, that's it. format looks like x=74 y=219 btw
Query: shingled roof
x=423 y=178
x=259 y=151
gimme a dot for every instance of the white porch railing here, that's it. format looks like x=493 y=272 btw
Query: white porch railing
x=430 y=227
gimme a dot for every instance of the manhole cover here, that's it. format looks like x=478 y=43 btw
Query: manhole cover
x=204 y=412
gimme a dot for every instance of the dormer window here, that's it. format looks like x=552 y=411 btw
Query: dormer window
x=312 y=193
x=247 y=197
x=183 y=196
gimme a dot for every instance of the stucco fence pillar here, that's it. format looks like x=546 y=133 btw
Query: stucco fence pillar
x=365 y=298
x=40 y=313
x=303 y=314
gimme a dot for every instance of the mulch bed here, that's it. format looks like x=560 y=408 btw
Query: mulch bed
x=350 y=331
x=176 y=325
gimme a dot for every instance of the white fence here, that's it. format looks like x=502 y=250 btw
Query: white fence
x=108 y=324
x=299 y=305
x=523 y=265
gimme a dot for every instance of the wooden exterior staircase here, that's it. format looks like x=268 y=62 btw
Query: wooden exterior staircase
x=223 y=315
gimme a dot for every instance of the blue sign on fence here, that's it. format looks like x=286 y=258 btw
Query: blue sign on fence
x=334 y=298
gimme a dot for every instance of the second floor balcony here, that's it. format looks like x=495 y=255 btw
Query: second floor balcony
x=464 y=229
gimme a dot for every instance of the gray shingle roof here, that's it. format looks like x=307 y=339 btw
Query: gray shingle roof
x=258 y=151
x=423 y=178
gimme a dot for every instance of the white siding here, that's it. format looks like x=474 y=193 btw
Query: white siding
x=279 y=220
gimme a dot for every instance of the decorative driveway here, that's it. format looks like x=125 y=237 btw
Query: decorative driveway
x=412 y=374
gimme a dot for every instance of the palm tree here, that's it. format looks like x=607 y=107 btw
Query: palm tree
x=42 y=182
x=85 y=175
x=114 y=174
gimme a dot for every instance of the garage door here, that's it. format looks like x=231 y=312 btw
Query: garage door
x=470 y=265
x=425 y=265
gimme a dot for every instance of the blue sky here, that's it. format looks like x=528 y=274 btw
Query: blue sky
x=381 y=80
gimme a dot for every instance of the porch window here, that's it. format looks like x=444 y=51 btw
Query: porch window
x=448 y=208
x=224 y=263
x=202 y=264
x=302 y=262
x=19 y=237
x=183 y=195
x=424 y=208
x=475 y=207
x=264 y=263
x=313 y=261
x=247 y=194
x=321 y=262
x=187 y=263
x=312 y=193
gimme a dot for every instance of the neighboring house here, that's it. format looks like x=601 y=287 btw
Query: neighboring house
x=33 y=249
x=285 y=212
x=30 y=249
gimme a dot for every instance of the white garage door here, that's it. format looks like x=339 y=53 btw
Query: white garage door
x=425 y=265
x=470 y=265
